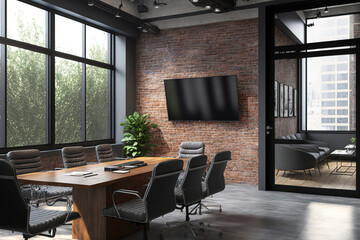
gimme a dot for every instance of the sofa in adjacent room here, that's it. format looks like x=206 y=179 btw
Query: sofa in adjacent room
x=295 y=152
x=300 y=138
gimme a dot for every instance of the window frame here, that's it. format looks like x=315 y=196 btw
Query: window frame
x=351 y=42
x=51 y=53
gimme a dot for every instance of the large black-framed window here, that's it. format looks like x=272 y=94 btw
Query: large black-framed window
x=57 y=76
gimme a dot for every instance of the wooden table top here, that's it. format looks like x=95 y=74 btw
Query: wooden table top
x=58 y=178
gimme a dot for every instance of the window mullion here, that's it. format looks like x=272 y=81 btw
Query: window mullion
x=48 y=78
x=3 y=97
x=51 y=78
x=83 y=107
x=3 y=77
x=110 y=86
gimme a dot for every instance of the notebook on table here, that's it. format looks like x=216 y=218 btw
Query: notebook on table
x=127 y=165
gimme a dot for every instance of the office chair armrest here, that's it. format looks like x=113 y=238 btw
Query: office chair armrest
x=143 y=188
x=59 y=168
x=124 y=191
x=180 y=178
x=69 y=206
x=51 y=200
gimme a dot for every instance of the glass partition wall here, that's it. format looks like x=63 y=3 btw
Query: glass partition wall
x=314 y=79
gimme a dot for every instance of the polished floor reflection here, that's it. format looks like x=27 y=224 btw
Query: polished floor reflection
x=252 y=214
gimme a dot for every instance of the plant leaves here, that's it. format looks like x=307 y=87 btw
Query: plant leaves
x=137 y=135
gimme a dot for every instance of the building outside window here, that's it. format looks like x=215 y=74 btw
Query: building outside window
x=331 y=79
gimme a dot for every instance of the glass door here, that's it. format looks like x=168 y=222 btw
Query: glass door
x=319 y=153
x=313 y=127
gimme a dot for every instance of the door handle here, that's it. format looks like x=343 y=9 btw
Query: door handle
x=268 y=128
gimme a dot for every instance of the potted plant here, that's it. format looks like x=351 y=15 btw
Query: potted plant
x=137 y=135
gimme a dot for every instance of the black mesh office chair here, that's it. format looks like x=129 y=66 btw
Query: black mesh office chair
x=214 y=181
x=191 y=149
x=189 y=190
x=18 y=216
x=104 y=153
x=73 y=156
x=28 y=161
x=158 y=200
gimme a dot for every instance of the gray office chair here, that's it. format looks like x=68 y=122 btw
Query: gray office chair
x=73 y=156
x=214 y=181
x=158 y=200
x=104 y=153
x=191 y=149
x=189 y=190
x=28 y=161
x=18 y=216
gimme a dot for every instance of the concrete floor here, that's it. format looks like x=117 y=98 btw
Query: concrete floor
x=252 y=214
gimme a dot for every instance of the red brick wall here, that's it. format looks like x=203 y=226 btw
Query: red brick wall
x=227 y=48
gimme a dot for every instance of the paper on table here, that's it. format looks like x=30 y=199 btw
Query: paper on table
x=121 y=171
x=130 y=166
x=77 y=173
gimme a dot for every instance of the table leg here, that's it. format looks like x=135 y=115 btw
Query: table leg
x=89 y=203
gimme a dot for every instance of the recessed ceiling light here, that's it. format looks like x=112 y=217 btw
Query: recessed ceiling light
x=217 y=10
x=194 y=1
x=91 y=3
x=118 y=11
x=157 y=4
x=207 y=7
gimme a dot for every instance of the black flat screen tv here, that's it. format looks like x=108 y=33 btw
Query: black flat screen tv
x=202 y=99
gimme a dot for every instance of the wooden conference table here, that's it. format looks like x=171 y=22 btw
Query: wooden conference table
x=92 y=194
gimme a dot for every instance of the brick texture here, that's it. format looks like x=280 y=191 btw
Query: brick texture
x=227 y=48
x=286 y=72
